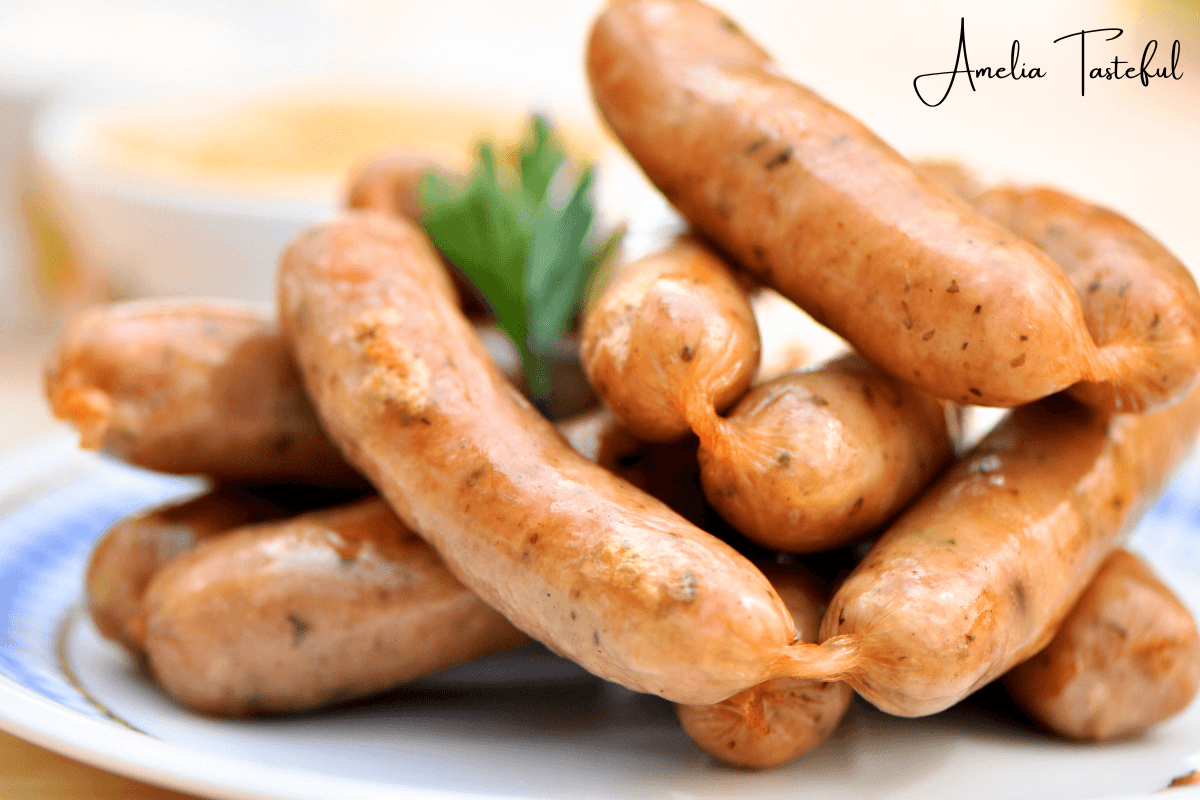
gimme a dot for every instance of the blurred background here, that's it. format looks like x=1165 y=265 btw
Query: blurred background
x=174 y=146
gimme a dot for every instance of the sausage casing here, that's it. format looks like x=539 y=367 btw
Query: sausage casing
x=783 y=718
x=572 y=555
x=130 y=553
x=191 y=387
x=671 y=342
x=978 y=574
x=1127 y=657
x=329 y=605
x=806 y=198
x=1137 y=297
x=812 y=460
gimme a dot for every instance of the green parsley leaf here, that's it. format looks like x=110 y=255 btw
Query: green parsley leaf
x=528 y=246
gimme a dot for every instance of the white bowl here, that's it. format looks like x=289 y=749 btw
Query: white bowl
x=160 y=224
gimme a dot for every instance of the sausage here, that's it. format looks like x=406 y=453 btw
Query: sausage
x=580 y=560
x=806 y=198
x=1127 y=657
x=671 y=342
x=128 y=555
x=783 y=718
x=978 y=574
x=191 y=387
x=1137 y=297
x=813 y=460
x=391 y=183
x=209 y=387
x=291 y=615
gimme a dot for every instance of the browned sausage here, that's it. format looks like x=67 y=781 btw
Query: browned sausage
x=804 y=196
x=813 y=460
x=209 y=387
x=783 y=718
x=671 y=342
x=577 y=558
x=330 y=605
x=1126 y=658
x=1137 y=297
x=190 y=387
x=977 y=575
x=391 y=183
x=130 y=553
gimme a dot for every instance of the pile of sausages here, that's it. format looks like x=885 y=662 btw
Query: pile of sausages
x=653 y=540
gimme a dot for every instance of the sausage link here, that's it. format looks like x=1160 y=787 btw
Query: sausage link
x=671 y=342
x=1126 y=658
x=191 y=387
x=330 y=605
x=977 y=575
x=783 y=718
x=1137 y=297
x=813 y=460
x=572 y=555
x=208 y=387
x=130 y=553
x=809 y=200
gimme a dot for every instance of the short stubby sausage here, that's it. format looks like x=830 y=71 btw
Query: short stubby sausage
x=191 y=387
x=1137 y=297
x=671 y=342
x=1126 y=658
x=580 y=560
x=783 y=718
x=805 y=197
x=290 y=615
x=813 y=460
x=130 y=553
x=978 y=574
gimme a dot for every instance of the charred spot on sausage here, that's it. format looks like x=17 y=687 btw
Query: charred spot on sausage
x=779 y=160
x=300 y=629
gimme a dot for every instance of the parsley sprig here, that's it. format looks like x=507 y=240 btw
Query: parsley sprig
x=527 y=238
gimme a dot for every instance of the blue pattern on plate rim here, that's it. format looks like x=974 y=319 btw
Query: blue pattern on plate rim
x=45 y=543
x=44 y=546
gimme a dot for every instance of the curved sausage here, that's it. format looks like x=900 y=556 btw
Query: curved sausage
x=330 y=605
x=783 y=718
x=572 y=555
x=813 y=460
x=671 y=342
x=1127 y=657
x=809 y=200
x=130 y=553
x=191 y=387
x=978 y=574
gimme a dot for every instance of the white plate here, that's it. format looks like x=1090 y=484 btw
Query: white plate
x=523 y=725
